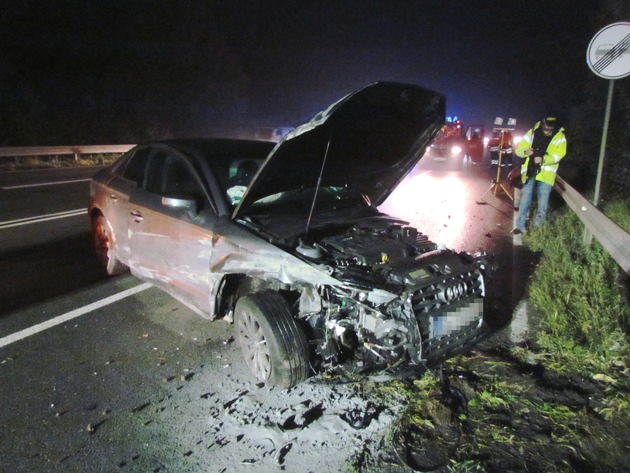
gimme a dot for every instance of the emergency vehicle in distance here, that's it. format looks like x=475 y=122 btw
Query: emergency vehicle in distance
x=449 y=142
x=452 y=143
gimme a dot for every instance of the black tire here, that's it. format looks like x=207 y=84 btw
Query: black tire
x=102 y=239
x=274 y=346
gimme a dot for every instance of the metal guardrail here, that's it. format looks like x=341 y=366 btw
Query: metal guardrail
x=612 y=237
x=77 y=151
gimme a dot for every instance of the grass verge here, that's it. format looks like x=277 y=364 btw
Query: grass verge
x=580 y=295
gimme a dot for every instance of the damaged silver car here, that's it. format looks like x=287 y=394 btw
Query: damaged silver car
x=287 y=239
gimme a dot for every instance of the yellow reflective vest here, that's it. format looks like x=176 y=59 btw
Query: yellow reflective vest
x=556 y=150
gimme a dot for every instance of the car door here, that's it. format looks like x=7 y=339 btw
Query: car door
x=169 y=227
x=125 y=181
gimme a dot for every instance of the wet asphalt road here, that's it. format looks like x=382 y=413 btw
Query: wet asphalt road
x=121 y=384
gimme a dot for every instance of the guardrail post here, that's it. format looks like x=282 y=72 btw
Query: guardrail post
x=587 y=238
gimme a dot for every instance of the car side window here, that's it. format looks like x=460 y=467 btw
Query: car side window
x=178 y=180
x=135 y=169
x=170 y=176
x=153 y=182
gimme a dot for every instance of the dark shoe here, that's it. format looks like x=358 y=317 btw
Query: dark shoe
x=517 y=231
x=516 y=209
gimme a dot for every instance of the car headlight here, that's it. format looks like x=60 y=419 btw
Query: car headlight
x=455 y=150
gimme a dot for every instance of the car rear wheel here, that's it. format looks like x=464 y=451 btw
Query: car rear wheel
x=274 y=346
x=103 y=246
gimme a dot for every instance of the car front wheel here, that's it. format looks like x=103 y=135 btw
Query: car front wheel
x=274 y=346
x=103 y=246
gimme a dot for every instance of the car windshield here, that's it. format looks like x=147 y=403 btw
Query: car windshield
x=285 y=215
x=297 y=201
x=240 y=172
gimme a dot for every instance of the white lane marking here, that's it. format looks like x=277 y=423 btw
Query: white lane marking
x=41 y=218
x=27 y=332
x=24 y=186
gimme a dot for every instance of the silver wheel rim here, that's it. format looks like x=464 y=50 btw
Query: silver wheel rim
x=254 y=346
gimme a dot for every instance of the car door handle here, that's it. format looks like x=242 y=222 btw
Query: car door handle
x=137 y=216
x=113 y=197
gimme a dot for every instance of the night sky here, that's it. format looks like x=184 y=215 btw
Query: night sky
x=121 y=71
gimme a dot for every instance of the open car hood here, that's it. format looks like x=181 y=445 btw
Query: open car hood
x=368 y=140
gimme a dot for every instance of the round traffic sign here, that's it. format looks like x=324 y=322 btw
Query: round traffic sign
x=608 y=53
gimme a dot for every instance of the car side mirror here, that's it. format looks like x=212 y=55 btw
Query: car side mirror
x=181 y=203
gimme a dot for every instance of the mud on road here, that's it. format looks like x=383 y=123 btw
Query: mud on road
x=490 y=411
x=487 y=411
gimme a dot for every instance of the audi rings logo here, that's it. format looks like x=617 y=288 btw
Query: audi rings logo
x=452 y=290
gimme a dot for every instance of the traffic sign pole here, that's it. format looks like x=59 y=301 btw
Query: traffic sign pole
x=608 y=56
x=602 y=149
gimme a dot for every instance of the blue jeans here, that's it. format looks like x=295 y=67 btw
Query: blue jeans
x=543 y=190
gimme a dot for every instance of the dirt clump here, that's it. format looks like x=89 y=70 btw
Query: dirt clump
x=489 y=412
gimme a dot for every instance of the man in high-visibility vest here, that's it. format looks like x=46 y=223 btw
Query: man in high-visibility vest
x=542 y=148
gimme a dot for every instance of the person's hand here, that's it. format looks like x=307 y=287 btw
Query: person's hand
x=538 y=160
x=528 y=152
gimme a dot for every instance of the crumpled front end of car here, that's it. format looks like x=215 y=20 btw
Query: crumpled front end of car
x=400 y=299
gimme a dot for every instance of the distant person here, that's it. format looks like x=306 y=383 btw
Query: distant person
x=501 y=144
x=541 y=148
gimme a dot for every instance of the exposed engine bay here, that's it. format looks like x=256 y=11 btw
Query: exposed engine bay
x=402 y=297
